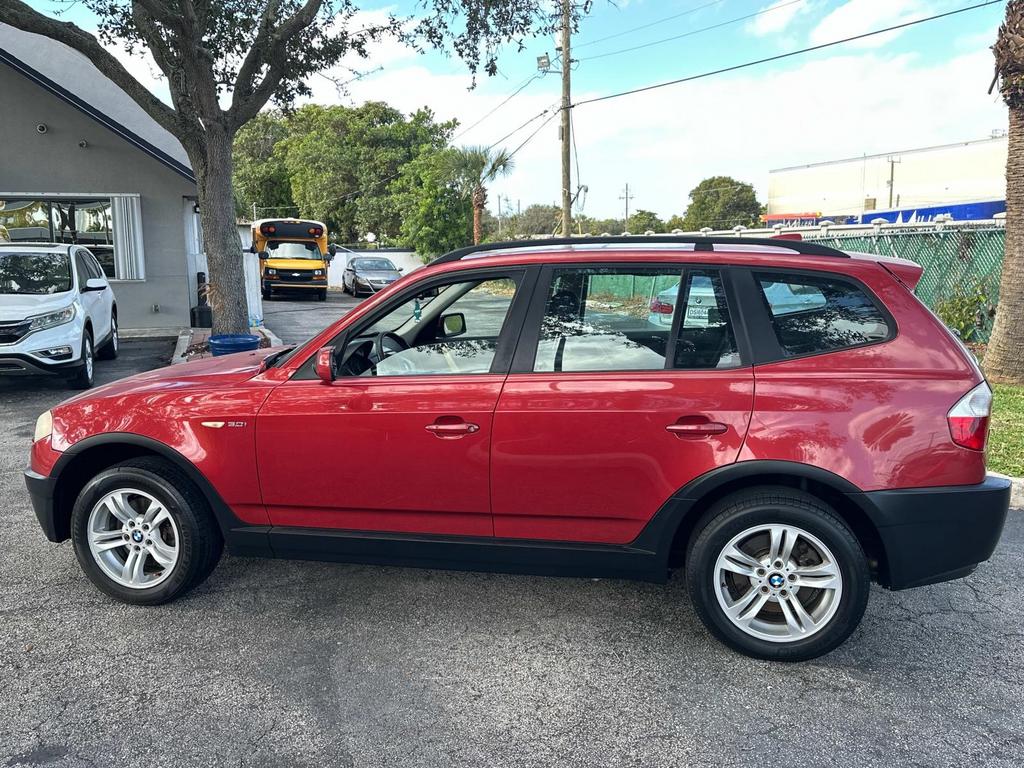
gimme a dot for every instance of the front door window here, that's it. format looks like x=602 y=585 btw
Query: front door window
x=449 y=329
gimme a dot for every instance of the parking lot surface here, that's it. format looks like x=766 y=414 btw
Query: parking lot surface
x=306 y=664
x=295 y=317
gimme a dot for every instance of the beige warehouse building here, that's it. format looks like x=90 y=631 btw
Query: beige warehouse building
x=947 y=175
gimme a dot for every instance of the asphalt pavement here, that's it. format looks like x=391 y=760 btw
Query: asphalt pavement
x=295 y=317
x=275 y=663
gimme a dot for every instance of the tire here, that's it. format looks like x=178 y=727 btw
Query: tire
x=109 y=350
x=322 y=294
x=190 y=542
x=769 y=624
x=84 y=375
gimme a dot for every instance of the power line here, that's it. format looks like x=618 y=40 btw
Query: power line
x=529 y=138
x=785 y=55
x=692 y=32
x=514 y=131
x=650 y=24
x=507 y=99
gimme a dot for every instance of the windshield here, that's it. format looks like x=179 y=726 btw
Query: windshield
x=34 y=273
x=277 y=249
x=374 y=265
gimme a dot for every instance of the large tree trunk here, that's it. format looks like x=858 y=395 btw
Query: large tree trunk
x=213 y=167
x=1004 y=358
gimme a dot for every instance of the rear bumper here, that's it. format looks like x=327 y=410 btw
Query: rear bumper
x=937 y=534
x=40 y=490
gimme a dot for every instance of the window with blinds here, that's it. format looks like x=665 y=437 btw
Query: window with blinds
x=110 y=226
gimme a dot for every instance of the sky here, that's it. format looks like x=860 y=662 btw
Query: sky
x=917 y=87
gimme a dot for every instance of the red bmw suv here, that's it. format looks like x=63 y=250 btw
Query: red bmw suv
x=784 y=421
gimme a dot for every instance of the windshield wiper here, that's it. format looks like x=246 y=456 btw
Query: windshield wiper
x=273 y=359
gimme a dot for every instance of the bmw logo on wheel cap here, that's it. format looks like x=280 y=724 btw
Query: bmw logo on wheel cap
x=137 y=535
x=776 y=580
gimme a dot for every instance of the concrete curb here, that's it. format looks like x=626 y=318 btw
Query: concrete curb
x=1016 y=490
x=182 y=345
x=269 y=335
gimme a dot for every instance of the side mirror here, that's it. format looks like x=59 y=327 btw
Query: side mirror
x=251 y=248
x=331 y=250
x=94 y=284
x=453 y=324
x=263 y=254
x=326 y=365
x=400 y=269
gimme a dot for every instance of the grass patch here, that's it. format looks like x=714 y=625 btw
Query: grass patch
x=1006 y=434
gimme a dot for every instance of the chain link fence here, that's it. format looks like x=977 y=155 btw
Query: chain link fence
x=962 y=264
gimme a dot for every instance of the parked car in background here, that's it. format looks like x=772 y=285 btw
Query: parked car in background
x=57 y=312
x=511 y=407
x=368 y=274
x=784 y=298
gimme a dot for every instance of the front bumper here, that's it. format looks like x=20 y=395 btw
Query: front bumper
x=937 y=534
x=28 y=365
x=40 y=490
x=22 y=358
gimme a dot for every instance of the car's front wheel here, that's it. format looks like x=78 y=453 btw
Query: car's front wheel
x=109 y=350
x=775 y=574
x=143 y=533
x=83 y=376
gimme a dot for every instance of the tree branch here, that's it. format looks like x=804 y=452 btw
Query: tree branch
x=23 y=17
x=249 y=98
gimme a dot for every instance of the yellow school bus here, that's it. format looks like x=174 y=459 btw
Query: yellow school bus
x=294 y=255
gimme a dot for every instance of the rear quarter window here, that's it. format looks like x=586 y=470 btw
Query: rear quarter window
x=811 y=315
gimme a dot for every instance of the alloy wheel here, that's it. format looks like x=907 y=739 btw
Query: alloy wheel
x=133 y=538
x=778 y=583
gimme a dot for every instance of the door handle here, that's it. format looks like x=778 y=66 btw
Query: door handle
x=447 y=430
x=688 y=426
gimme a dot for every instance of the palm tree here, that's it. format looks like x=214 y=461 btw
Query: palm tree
x=1004 y=358
x=473 y=168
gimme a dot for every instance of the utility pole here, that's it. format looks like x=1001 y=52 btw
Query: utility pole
x=566 y=120
x=892 y=160
x=627 y=197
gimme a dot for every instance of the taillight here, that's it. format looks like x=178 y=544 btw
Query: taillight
x=659 y=307
x=968 y=419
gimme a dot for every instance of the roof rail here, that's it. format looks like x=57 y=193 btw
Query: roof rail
x=699 y=244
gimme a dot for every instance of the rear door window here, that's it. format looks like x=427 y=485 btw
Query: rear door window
x=812 y=314
x=607 y=319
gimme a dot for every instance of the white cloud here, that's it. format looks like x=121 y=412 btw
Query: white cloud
x=776 y=17
x=856 y=17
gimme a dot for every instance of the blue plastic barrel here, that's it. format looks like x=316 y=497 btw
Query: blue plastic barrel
x=228 y=343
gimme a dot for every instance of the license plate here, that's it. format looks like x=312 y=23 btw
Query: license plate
x=697 y=312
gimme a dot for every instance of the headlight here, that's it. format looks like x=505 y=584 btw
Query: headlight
x=318 y=272
x=44 y=426
x=53 y=318
x=271 y=271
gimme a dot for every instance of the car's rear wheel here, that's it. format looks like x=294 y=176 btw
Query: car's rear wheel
x=83 y=376
x=775 y=574
x=143 y=533
x=109 y=350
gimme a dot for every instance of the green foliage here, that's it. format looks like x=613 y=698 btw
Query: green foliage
x=533 y=220
x=1005 y=449
x=336 y=164
x=436 y=216
x=968 y=313
x=721 y=202
x=643 y=221
x=675 y=222
x=260 y=176
x=589 y=226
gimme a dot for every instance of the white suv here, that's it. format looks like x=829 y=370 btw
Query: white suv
x=57 y=311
